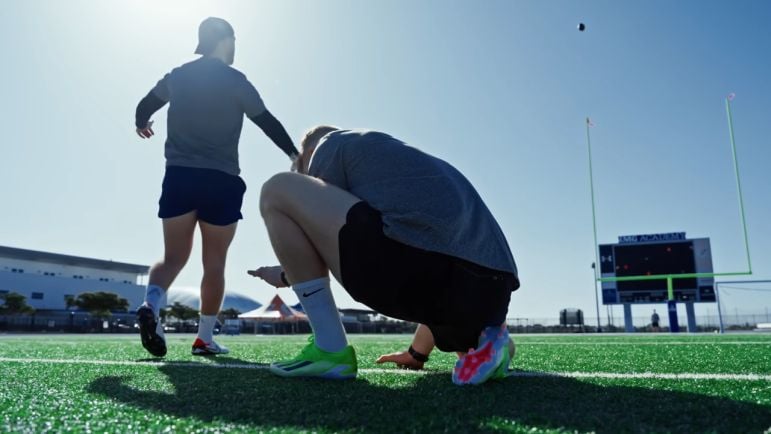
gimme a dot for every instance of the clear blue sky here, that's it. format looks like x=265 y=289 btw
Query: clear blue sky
x=498 y=88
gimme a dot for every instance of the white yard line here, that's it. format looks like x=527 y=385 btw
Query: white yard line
x=646 y=375
x=591 y=375
x=524 y=342
x=518 y=341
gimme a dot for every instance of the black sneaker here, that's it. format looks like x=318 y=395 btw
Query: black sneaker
x=151 y=331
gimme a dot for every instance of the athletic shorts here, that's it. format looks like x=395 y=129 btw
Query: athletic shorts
x=455 y=298
x=216 y=196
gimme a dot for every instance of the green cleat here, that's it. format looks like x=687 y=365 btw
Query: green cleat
x=315 y=362
x=502 y=371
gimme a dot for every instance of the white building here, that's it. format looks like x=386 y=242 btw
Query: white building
x=47 y=279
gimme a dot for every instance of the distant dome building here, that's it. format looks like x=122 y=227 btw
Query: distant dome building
x=191 y=297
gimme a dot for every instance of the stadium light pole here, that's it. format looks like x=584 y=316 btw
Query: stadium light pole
x=719 y=314
x=596 y=297
x=595 y=275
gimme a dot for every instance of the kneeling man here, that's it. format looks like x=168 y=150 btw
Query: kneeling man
x=405 y=233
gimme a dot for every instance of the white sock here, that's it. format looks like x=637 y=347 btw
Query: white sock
x=318 y=303
x=155 y=296
x=206 y=327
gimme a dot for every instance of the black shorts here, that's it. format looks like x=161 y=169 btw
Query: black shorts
x=455 y=298
x=215 y=195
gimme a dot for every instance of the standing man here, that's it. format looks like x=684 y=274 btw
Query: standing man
x=404 y=233
x=207 y=103
x=655 y=322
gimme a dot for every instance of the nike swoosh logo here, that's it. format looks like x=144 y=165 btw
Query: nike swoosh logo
x=308 y=294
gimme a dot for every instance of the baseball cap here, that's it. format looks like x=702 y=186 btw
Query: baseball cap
x=210 y=32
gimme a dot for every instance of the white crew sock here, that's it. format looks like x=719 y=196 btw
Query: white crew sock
x=318 y=303
x=155 y=296
x=206 y=327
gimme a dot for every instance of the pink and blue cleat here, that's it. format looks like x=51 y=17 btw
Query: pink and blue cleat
x=490 y=359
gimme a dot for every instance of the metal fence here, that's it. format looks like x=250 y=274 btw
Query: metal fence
x=70 y=322
x=83 y=322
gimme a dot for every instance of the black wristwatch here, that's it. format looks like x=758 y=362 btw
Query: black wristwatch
x=420 y=357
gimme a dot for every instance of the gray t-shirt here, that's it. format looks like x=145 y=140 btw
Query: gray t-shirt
x=207 y=103
x=424 y=201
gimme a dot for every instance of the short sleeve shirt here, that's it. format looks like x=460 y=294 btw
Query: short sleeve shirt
x=424 y=201
x=207 y=103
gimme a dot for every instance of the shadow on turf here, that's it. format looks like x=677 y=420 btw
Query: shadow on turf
x=433 y=403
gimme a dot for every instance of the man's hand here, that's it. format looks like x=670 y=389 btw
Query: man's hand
x=147 y=131
x=271 y=275
x=402 y=360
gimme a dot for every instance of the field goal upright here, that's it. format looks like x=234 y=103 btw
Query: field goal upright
x=644 y=279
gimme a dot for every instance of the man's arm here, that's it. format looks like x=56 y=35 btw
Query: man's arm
x=417 y=354
x=145 y=109
x=422 y=345
x=276 y=132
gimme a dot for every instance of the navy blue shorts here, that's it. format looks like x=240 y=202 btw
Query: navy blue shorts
x=216 y=196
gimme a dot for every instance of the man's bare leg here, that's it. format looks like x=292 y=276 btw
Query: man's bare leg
x=303 y=216
x=215 y=242
x=178 y=241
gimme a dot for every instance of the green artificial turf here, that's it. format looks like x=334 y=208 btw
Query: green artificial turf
x=79 y=393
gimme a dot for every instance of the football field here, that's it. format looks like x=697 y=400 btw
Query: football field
x=562 y=383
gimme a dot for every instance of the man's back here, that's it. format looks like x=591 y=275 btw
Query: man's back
x=208 y=100
x=424 y=201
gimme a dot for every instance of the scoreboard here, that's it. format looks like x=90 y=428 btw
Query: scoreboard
x=646 y=255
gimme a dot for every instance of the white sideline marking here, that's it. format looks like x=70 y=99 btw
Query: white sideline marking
x=602 y=375
x=646 y=375
x=525 y=342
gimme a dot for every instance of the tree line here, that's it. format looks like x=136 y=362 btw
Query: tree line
x=102 y=305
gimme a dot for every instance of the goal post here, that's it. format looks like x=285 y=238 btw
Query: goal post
x=671 y=277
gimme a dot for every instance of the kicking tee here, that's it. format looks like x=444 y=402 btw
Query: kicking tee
x=424 y=201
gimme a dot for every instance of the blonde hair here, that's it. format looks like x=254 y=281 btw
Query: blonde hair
x=309 y=142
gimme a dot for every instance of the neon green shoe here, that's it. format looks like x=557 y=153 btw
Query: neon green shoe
x=315 y=362
x=502 y=371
